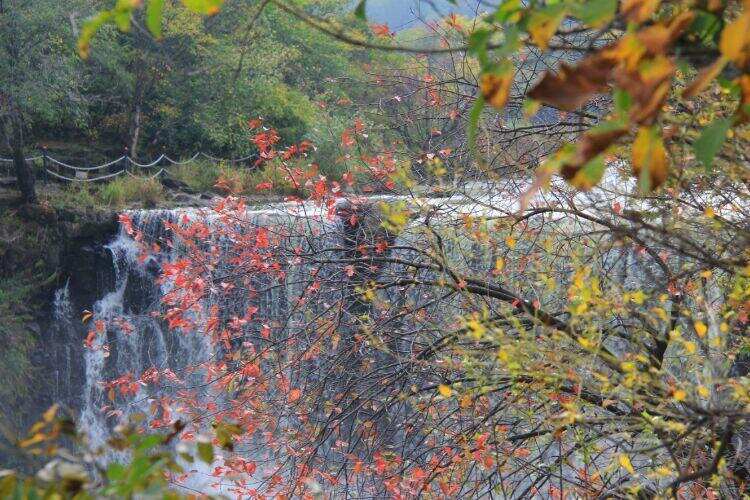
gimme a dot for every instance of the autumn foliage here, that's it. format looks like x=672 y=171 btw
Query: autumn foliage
x=451 y=320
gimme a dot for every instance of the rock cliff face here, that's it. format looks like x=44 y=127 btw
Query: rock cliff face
x=41 y=250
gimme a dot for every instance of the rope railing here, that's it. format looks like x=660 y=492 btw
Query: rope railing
x=83 y=176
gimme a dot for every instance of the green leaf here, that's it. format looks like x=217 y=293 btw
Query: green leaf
x=596 y=13
x=122 y=19
x=361 y=11
x=506 y=9
x=622 y=101
x=154 y=12
x=224 y=432
x=149 y=442
x=206 y=452
x=204 y=7
x=474 y=115
x=706 y=27
x=710 y=141
x=115 y=471
x=478 y=45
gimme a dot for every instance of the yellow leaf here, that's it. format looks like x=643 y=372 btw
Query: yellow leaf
x=638 y=297
x=663 y=471
x=445 y=390
x=35 y=439
x=661 y=313
x=735 y=37
x=585 y=343
x=49 y=415
x=543 y=24
x=477 y=328
x=499 y=265
x=496 y=88
x=628 y=366
x=690 y=347
x=703 y=391
x=510 y=241
x=700 y=328
x=709 y=212
x=625 y=463
x=649 y=158
x=503 y=356
x=679 y=395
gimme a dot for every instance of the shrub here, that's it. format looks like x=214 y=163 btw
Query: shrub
x=80 y=195
x=234 y=180
x=125 y=190
x=197 y=175
x=272 y=174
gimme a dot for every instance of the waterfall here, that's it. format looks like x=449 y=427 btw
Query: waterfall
x=127 y=335
x=133 y=337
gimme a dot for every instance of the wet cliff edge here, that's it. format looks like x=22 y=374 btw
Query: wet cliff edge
x=42 y=250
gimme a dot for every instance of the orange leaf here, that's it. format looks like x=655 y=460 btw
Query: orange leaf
x=743 y=113
x=381 y=30
x=294 y=395
x=445 y=390
x=659 y=37
x=637 y=11
x=705 y=77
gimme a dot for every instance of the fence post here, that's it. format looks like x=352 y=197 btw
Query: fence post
x=45 y=163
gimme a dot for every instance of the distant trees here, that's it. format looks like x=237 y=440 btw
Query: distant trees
x=194 y=87
x=38 y=80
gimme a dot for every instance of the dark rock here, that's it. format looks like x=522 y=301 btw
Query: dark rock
x=176 y=185
x=41 y=214
x=185 y=199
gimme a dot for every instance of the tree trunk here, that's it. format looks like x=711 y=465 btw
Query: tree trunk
x=136 y=132
x=24 y=174
x=137 y=114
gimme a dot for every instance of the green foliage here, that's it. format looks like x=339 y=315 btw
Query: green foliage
x=81 y=195
x=198 y=88
x=711 y=140
x=145 y=474
x=39 y=77
x=15 y=337
x=125 y=190
x=199 y=176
